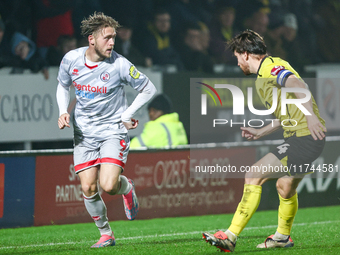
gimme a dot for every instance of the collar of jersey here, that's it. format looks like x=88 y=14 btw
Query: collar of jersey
x=91 y=67
x=262 y=61
x=84 y=59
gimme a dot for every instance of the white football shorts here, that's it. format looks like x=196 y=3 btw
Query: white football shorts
x=110 y=151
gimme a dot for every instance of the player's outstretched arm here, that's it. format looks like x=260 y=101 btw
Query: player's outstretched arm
x=63 y=98
x=141 y=99
x=314 y=125
x=254 y=134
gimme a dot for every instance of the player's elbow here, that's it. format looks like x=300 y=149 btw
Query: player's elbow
x=150 y=89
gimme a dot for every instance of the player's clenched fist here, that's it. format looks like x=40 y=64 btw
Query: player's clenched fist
x=131 y=124
x=250 y=133
x=64 y=121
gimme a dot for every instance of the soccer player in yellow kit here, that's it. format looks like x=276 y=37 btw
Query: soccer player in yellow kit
x=304 y=141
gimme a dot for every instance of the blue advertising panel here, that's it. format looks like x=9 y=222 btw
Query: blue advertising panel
x=17 y=201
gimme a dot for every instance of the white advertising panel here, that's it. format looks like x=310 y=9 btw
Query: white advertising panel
x=328 y=95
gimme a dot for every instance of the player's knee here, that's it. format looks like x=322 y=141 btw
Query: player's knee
x=253 y=181
x=285 y=189
x=250 y=178
x=110 y=187
x=89 y=189
x=278 y=186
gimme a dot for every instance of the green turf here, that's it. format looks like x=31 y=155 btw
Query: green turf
x=315 y=231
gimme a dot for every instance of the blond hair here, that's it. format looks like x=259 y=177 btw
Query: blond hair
x=96 y=22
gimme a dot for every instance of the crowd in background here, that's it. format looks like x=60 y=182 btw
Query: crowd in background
x=189 y=35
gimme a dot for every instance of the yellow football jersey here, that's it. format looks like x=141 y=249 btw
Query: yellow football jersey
x=273 y=73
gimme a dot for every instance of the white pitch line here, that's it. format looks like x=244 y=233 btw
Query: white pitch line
x=166 y=235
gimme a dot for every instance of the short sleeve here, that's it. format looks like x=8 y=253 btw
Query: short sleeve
x=130 y=75
x=63 y=75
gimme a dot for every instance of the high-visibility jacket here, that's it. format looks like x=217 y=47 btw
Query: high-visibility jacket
x=166 y=130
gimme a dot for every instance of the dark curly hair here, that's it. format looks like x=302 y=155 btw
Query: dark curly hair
x=248 y=41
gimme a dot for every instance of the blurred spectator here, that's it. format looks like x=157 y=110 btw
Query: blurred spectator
x=193 y=54
x=266 y=5
x=124 y=46
x=275 y=36
x=56 y=54
x=222 y=30
x=19 y=52
x=2 y=30
x=290 y=27
x=252 y=14
x=17 y=14
x=308 y=22
x=136 y=11
x=205 y=36
x=257 y=22
x=82 y=42
x=84 y=8
x=164 y=127
x=53 y=19
x=187 y=11
x=281 y=40
x=156 y=41
x=7 y=59
x=328 y=32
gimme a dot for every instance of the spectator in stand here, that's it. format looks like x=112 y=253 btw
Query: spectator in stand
x=53 y=18
x=187 y=11
x=125 y=47
x=6 y=58
x=281 y=40
x=163 y=129
x=205 y=36
x=157 y=44
x=19 y=52
x=136 y=11
x=18 y=15
x=328 y=32
x=193 y=54
x=2 y=30
x=222 y=30
x=258 y=22
x=56 y=54
x=309 y=22
x=252 y=14
x=82 y=42
x=84 y=8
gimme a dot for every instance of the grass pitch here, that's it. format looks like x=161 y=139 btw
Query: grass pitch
x=315 y=231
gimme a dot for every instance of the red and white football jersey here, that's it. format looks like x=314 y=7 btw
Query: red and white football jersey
x=99 y=91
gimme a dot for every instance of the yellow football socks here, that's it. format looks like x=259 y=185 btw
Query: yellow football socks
x=246 y=208
x=287 y=211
